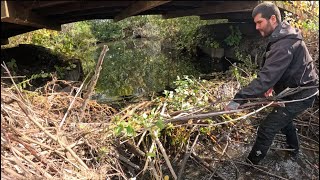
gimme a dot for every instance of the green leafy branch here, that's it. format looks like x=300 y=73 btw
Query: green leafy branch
x=234 y=38
x=23 y=84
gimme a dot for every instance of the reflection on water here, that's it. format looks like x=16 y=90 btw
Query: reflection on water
x=139 y=66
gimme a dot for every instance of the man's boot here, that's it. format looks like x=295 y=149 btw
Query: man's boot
x=292 y=140
x=257 y=153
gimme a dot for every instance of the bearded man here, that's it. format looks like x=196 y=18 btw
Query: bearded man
x=286 y=64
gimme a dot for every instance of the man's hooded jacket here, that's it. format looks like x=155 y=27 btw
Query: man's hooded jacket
x=287 y=63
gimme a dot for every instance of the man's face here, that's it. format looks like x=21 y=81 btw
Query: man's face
x=263 y=25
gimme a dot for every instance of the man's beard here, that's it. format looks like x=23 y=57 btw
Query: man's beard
x=268 y=31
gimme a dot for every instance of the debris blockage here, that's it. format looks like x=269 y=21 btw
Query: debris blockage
x=141 y=140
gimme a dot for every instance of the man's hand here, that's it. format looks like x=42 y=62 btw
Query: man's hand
x=232 y=106
x=268 y=93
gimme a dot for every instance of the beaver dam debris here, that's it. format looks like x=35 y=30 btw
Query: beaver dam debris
x=139 y=141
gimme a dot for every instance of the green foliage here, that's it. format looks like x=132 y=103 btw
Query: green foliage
x=106 y=30
x=210 y=42
x=246 y=71
x=74 y=41
x=181 y=31
x=235 y=37
x=205 y=130
x=128 y=128
x=125 y=129
x=12 y=65
x=151 y=154
x=178 y=136
x=135 y=64
x=60 y=70
x=23 y=84
x=78 y=40
x=310 y=10
x=305 y=25
x=309 y=26
x=160 y=124
x=187 y=94
x=247 y=63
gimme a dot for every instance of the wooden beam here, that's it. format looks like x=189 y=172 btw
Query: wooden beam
x=4 y=9
x=81 y=6
x=35 y=4
x=10 y=31
x=240 y=20
x=106 y=11
x=138 y=7
x=85 y=17
x=17 y=14
x=235 y=15
x=225 y=7
x=192 y=4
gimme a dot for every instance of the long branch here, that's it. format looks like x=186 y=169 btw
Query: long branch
x=244 y=106
x=202 y=116
x=163 y=151
x=93 y=80
x=186 y=157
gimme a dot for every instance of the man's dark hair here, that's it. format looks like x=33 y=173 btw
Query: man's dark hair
x=267 y=9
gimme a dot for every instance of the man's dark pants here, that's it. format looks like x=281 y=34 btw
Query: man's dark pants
x=280 y=119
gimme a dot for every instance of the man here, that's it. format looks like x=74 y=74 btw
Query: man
x=287 y=63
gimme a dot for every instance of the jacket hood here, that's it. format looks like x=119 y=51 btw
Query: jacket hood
x=285 y=30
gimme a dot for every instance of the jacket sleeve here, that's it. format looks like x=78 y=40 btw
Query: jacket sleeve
x=277 y=61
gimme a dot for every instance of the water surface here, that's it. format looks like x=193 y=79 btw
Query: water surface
x=140 y=66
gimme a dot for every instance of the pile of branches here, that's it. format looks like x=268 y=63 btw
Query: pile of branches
x=190 y=134
x=43 y=136
x=50 y=135
x=35 y=145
